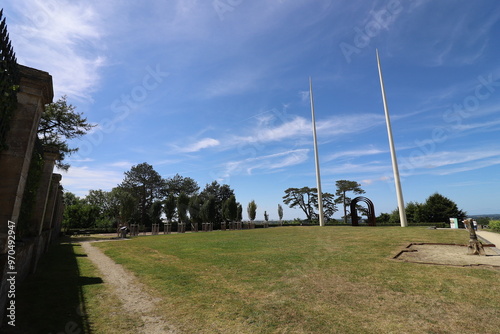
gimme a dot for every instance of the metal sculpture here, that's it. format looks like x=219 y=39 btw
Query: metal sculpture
x=354 y=212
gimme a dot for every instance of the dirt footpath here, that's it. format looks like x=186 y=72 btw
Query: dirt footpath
x=135 y=299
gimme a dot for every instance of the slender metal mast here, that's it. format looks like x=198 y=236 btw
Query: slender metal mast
x=397 y=182
x=316 y=158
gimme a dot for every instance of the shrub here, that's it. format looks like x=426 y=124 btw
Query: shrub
x=495 y=225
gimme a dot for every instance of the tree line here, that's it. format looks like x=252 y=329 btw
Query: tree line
x=144 y=196
x=435 y=209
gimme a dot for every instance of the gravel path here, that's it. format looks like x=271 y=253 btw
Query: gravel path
x=491 y=237
x=135 y=299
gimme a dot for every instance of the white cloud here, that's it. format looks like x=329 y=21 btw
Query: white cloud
x=349 y=123
x=354 y=154
x=122 y=164
x=476 y=126
x=200 y=145
x=267 y=163
x=61 y=38
x=298 y=126
x=79 y=180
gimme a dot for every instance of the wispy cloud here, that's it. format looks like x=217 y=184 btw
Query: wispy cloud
x=449 y=162
x=267 y=163
x=455 y=40
x=199 y=145
x=354 y=154
x=298 y=126
x=438 y=163
x=349 y=123
x=63 y=39
x=477 y=126
x=122 y=164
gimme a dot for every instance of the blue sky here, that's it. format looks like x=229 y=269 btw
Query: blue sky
x=218 y=90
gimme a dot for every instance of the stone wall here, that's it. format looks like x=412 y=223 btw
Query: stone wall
x=35 y=91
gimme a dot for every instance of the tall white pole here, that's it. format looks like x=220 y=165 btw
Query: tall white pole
x=316 y=158
x=397 y=182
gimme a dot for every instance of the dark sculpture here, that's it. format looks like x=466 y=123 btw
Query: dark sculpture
x=354 y=212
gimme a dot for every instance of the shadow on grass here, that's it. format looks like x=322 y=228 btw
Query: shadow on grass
x=51 y=300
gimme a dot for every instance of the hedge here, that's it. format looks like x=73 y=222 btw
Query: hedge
x=494 y=225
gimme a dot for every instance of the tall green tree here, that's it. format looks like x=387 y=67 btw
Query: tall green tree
x=414 y=213
x=99 y=198
x=195 y=205
x=329 y=207
x=182 y=207
x=179 y=184
x=303 y=198
x=306 y=199
x=169 y=207
x=155 y=212
x=438 y=208
x=344 y=186
x=240 y=213
x=69 y=198
x=230 y=209
x=124 y=206
x=219 y=193
x=280 y=212
x=104 y=201
x=252 y=210
x=146 y=185
x=209 y=210
x=60 y=123
x=80 y=214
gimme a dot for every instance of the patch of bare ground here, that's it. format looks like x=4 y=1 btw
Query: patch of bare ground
x=134 y=296
x=454 y=255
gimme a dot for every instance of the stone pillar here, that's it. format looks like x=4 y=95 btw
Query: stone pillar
x=35 y=91
x=40 y=208
x=42 y=195
x=48 y=220
x=51 y=202
x=58 y=215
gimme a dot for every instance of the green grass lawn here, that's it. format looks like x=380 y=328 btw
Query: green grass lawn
x=276 y=280
x=67 y=295
x=310 y=280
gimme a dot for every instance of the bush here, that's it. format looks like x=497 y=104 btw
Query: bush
x=495 y=225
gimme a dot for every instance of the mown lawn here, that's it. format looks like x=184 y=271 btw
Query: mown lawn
x=67 y=295
x=309 y=280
